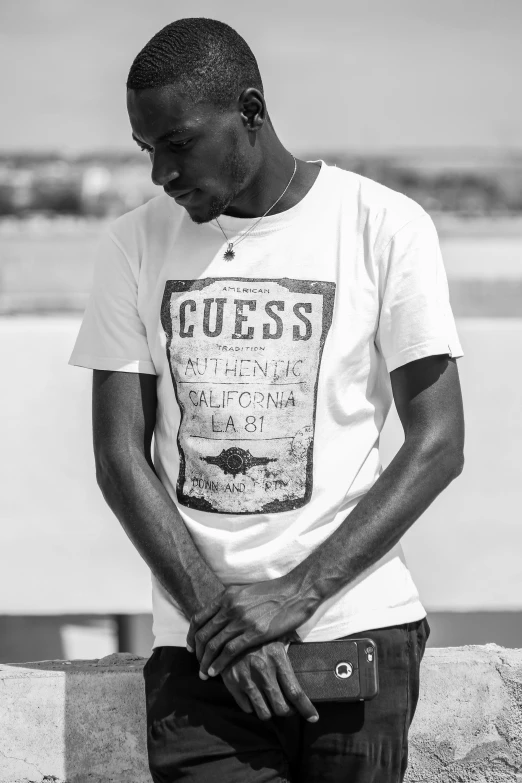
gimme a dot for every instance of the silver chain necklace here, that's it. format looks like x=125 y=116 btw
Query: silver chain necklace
x=229 y=253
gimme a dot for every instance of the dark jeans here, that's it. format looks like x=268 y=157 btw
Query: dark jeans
x=196 y=732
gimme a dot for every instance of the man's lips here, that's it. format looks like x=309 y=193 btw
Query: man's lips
x=181 y=198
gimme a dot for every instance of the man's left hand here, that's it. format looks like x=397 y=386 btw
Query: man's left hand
x=245 y=616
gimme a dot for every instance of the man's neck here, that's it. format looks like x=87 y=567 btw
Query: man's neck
x=270 y=183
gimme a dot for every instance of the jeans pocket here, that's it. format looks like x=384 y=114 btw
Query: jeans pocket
x=148 y=662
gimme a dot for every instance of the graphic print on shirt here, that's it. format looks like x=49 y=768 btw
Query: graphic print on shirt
x=244 y=356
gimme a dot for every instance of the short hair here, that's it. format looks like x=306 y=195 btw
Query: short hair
x=206 y=57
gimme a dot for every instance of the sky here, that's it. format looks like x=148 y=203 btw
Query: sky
x=385 y=76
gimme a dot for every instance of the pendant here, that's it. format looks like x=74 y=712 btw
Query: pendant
x=229 y=254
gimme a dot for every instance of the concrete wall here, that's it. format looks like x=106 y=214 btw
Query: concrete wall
x=83 y=721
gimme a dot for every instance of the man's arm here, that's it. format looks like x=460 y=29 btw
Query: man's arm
x=124 y=417
x=429 y=402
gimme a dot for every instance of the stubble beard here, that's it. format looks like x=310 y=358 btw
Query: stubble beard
x=235 y=168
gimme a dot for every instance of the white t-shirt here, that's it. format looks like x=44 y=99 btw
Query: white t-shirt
x=273 y=374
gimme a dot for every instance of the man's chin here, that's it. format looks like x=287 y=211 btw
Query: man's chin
x=200 y=214
x=199 y=218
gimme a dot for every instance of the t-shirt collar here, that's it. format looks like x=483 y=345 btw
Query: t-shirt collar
x=234 y=225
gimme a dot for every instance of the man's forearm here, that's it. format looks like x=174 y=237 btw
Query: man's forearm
x=403 y=491
x=151 y=520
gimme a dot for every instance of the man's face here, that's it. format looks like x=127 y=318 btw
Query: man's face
x=200 y=155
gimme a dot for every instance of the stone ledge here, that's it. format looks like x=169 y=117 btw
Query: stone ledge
x=84 y=721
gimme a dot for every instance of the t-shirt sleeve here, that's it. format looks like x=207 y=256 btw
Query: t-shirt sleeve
x=112 y=335
x=415 y=318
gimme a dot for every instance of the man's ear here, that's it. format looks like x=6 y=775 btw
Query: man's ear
x=253 y=108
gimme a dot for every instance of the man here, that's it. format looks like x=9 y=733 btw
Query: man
x=258 y=317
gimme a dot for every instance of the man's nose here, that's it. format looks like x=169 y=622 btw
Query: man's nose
x=163 y=170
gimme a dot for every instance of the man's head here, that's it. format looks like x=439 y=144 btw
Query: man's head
x=195 y=102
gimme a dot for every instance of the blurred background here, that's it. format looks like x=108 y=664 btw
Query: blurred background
x=423 y=97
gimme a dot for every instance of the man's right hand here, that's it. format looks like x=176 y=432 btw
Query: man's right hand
x=263 y=681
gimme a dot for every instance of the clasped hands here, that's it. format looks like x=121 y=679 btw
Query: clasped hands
x=243 y=617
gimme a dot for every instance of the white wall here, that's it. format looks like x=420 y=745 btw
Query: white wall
x=62 y=550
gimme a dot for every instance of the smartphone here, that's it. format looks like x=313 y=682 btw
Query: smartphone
x=340 y=670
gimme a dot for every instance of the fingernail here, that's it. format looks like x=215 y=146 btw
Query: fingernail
x=313 y=719
x=212 y=672
x=189 y=648
x=203 y=676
